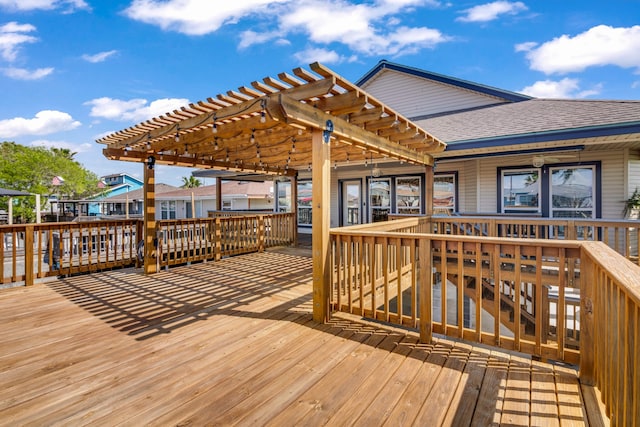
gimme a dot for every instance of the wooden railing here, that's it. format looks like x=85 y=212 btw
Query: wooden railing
x=621 y=235
x=572 y=301
x=182 y=241
x=611 y=332
x=34 y=251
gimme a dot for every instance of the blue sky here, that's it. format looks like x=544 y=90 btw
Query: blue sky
x=72 y=71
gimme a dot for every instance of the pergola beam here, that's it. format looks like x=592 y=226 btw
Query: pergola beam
x=294 y=111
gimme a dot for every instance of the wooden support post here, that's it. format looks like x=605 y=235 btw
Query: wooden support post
x=589 y=279
x=321 y=173
x=193 y=205
x=217 y=239
x=38 y=212
x=218 y=193
x=28 y=254
x=428 y=190
x=294 y=208
x=10 y=210
x=425 y=292
x=149 y=220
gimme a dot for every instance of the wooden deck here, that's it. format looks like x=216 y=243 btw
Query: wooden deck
x=233 y=342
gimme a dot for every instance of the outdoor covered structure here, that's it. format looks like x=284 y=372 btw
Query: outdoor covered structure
x=309 y=120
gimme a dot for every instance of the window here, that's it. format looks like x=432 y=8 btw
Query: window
x=284 y=196
x=226 y=205
x=444 y=193
x=521 y=191
x=168 y=209
x=408 y=195
x=380 y=199
x=572 y=192
x=304 y=203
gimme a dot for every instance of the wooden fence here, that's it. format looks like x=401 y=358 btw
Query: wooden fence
x=199 y=239
x=34 y=251
x=568 y=300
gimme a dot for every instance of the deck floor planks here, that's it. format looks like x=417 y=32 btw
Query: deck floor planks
x=517 y=397
x=439 y=398
x=544 y=405
x=491 y=398
x=233 y=342
x=463 y=402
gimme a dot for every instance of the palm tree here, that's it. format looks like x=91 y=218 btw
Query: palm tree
x=190 y=182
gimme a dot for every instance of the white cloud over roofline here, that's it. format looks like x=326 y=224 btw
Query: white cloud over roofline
x=566 y=88
x=43 y=123
x=598 y=46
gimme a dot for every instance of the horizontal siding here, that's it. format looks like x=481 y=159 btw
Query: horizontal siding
x=413 y=96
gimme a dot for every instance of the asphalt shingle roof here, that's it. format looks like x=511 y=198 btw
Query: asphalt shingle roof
x=531 y=116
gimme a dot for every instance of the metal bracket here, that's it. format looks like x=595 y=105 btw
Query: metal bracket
x=326 y=134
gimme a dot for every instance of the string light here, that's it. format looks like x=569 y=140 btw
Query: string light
x=253 y=136
x=148 y=141
x=335 y=165
x=257 y=151
x=227 y=158
x=263 y=115
x=127 y=148
x=293 y=146
x=347 y=157
x=186 y=149
x=215 y=126
x=215 y=144
x=177 y=138
x=366 y=163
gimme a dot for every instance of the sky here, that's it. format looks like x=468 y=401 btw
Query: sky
x=72 y=71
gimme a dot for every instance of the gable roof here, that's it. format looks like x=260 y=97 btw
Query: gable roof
x=440 y=78
x=250 y=190
x=535 y=120
x=138 y=194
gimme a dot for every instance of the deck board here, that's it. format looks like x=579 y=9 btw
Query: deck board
x=233 y=343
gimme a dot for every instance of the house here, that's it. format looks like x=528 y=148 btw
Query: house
x=236 y=195
x=177 y=203
x=113 y=185
x=506 y=153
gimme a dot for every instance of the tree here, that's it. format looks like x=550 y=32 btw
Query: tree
x=32 y=169
x=190 y=182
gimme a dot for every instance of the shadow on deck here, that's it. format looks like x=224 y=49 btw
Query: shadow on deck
x=233 y=342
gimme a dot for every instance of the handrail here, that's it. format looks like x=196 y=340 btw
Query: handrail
x=35 y=251
x=610 y=358
x=576 y=301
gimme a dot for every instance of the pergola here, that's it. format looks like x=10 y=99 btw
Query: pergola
x=313 y=119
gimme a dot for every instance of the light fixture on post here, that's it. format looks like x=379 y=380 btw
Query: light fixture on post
x=151 y=161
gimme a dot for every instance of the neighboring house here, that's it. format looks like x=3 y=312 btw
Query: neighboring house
x=506 y=153
x=176 y=203
x=236 y=195
x=110 y=186
x=117 y=205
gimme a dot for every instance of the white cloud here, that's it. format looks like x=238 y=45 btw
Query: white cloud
x=99 y=57
x=565 y=88
x=525 y=47
x=491 y=11
x=12 y=36
x=195 y=17
x=369 y=28
x=322 y=55
x=24 y=74
x=600 y=45
x=23 y=5
x=135 y=110
x=45 y=122
x=77 y=148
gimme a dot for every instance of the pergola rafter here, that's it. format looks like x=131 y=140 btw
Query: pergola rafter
x=309 y=120
x=278 y=113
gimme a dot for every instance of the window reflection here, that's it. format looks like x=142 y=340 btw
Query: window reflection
x=521 y=191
